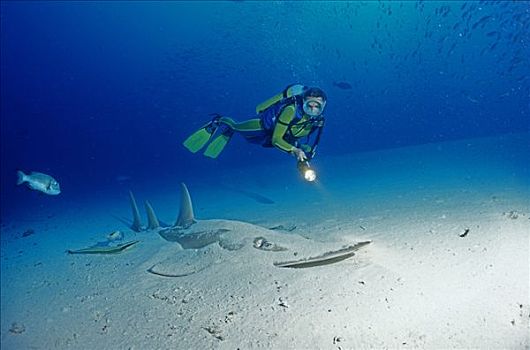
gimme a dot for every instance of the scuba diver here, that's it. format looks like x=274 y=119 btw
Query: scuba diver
x=282 y=122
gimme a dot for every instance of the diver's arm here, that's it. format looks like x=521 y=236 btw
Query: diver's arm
x=280 y=129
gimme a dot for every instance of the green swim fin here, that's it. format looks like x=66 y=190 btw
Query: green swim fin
x=199 y=138
x=218 y=144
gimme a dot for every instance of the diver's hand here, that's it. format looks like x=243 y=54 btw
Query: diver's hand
x=299 y=154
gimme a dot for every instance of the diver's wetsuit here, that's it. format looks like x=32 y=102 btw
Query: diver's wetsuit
x=284 y=135
x=280 y=122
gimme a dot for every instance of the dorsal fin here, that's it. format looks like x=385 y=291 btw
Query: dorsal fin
x=137 y=223
x=152 y=220
x=185 y=218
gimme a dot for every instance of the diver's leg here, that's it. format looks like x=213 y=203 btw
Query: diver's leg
x=227 y=127
x=242 y=127
x=252 y=129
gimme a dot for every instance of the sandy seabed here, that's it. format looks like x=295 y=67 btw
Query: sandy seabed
x=448 y=266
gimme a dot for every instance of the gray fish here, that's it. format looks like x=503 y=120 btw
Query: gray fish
x=40 y=182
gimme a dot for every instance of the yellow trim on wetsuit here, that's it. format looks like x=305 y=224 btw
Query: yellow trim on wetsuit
x=299 y=130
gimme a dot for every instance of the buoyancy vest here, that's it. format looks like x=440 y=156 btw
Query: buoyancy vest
x=270 y=110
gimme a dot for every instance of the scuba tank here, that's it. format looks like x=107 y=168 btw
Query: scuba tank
x=288 y=92
x=269 y=110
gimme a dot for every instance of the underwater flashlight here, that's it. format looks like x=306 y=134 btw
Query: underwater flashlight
x=305 y=170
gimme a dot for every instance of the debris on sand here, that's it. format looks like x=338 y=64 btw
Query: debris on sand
x=513 y=214
x=463 y=234
x=215 y=332
x=17 y=328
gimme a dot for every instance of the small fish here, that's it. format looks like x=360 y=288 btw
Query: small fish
x=482 y=21
x=40 y=182
x=342 y=85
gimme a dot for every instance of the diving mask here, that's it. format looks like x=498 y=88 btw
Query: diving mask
x=314 y=106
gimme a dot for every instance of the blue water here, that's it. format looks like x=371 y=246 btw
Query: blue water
x=427 y=134
x=100 y=95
